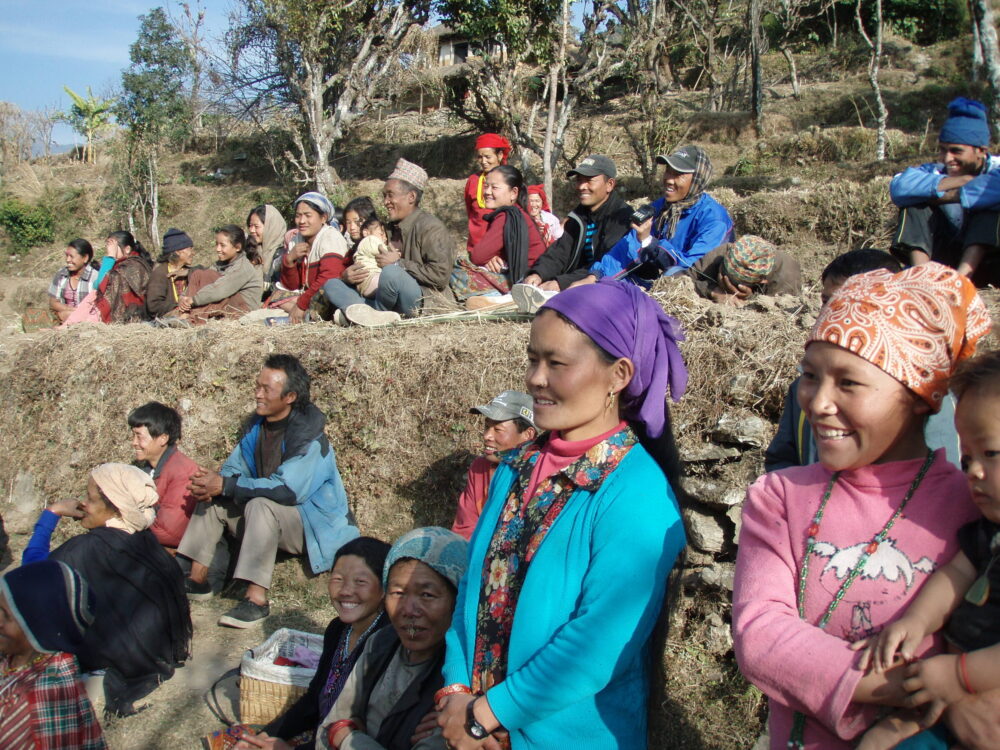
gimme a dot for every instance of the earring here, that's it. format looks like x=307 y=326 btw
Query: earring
x=611 y=400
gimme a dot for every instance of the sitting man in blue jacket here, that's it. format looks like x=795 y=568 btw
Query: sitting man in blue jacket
x=279 y=489
x=949 y=210
x=686 y=223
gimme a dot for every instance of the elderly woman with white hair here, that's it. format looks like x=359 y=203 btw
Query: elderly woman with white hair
x=142 y=627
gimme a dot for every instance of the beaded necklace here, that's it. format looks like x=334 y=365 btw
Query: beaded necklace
x=797 y=739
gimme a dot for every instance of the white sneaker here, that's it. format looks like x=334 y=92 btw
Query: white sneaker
x=369 y=317
x=530 y=298
x=339 y=319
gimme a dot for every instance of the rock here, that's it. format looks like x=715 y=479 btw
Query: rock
x=712 y=492
x=742 y=389
x=184 y=404
x=708 y=452
x=716 y=575
x=718 y=637
x=762 y=303
x=735 y=514
x=747 y=430
x=704 y=531
x=695 y=559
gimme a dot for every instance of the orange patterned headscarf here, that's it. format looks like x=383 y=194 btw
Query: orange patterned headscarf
x=916 y=325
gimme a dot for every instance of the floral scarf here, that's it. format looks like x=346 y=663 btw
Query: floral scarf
x=521 y=529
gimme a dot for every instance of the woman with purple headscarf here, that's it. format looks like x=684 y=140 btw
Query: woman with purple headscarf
x=569 y=561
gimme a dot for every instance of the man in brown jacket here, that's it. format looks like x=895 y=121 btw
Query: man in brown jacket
x=417 y=263
x=734 y=272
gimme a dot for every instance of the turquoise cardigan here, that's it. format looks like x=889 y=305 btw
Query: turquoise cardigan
x=577 y=672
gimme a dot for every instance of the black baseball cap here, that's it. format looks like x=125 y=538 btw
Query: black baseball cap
x=684 y=160
x=594 y=165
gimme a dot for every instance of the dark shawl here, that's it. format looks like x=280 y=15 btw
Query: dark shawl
x=142 y=625
x=515 y=241
x=121 y=297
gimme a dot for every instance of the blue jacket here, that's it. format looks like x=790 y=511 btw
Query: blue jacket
x=701 y=228
x=577 y=656
x=307 y=478
x=916 y=185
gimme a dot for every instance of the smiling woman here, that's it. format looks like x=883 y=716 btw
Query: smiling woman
x=523 y=663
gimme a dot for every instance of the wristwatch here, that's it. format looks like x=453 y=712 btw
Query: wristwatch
x=472 y=727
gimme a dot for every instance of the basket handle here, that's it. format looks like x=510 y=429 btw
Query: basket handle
x=212 y=699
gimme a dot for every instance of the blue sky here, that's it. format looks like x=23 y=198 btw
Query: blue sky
x=46 y=44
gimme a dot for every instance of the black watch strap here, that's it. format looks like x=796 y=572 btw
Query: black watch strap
x=472 y=727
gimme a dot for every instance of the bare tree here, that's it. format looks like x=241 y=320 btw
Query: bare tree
x=882 y=114
x=15 y=136
x=790 y=15
x=712 y=21
x=327 y=59
x=190 y=28
x=986 y=41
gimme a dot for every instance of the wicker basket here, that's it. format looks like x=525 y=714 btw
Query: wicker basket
x=266 y=689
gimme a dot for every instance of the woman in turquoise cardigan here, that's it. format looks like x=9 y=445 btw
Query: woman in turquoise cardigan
x=569 y=562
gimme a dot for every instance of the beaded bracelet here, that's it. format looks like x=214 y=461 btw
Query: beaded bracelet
x=964 y=670
x=451 y=690
x=332 y=730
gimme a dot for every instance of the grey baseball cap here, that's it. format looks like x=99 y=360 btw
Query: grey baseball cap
x=683 y=160
x=508 y=405
x=594 y=165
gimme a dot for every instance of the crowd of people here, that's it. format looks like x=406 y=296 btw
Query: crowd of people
x=866 y=592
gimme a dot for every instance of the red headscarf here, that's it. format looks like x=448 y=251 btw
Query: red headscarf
x=539 y=190
x=492 y=140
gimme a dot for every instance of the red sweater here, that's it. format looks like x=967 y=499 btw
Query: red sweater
x=176 y=505
x=491 y=245
x=311 y=277
x=477 y=224
x=470 y=503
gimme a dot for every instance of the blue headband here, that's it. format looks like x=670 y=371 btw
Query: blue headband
x=321 y=202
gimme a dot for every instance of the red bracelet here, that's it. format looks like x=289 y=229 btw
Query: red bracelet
x=964 y=670
x=336 y=727
x=451 y=690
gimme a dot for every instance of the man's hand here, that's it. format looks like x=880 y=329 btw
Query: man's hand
x=205 y=485
x=264 y=740
x=642 y=231
x=495 y=264
x=550 y=286
x=532 y=279
x=184 y=303
x=934 y=679
x=355 y=274
x=66 y=508
x=296 y=314
x=387 y=258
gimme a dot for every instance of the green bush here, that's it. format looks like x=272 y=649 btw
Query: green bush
x=27 y=226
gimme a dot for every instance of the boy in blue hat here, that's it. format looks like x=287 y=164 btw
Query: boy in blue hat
x=950 y=209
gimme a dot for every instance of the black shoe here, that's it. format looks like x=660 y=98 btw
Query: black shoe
x=245 y=614
x=197 y=591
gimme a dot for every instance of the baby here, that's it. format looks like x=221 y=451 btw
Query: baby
x=963 y=597
x=374 y=241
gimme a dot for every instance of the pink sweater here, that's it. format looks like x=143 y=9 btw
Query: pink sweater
x=799 y=666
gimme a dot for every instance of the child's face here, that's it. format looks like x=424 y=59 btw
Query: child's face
x=860 y=414
x=977 y=418
x=375 y=230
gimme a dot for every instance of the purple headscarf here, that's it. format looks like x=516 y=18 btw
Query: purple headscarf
x=625 y=322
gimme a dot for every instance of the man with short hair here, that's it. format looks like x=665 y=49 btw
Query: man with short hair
x=279 y=489
x=417 y=263
x=592 y=228
x=156 y=428
x=950 y=209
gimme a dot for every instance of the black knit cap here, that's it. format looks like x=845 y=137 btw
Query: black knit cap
x=176 y=239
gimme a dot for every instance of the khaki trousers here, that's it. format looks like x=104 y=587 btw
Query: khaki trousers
x=263 y=527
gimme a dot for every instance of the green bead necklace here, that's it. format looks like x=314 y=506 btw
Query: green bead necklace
x=797 y=739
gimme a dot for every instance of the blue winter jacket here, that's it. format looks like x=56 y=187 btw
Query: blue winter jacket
x=307 y=478
x=916 y=185
x=700 y=229
x=577 y=656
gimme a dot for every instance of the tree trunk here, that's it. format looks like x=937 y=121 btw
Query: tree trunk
x=756 y=75
x=154 y=200
x=793 y=72
x=873 y=70
x=977 y=46
x=991 y=56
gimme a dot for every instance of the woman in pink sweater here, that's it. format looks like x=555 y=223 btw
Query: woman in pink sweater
x=832 y=552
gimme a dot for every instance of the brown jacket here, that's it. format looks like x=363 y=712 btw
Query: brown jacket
x=785 y=277
x=428 y=250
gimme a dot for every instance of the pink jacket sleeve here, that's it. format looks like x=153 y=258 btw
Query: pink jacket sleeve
x=470 y=502
x=793 y=662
